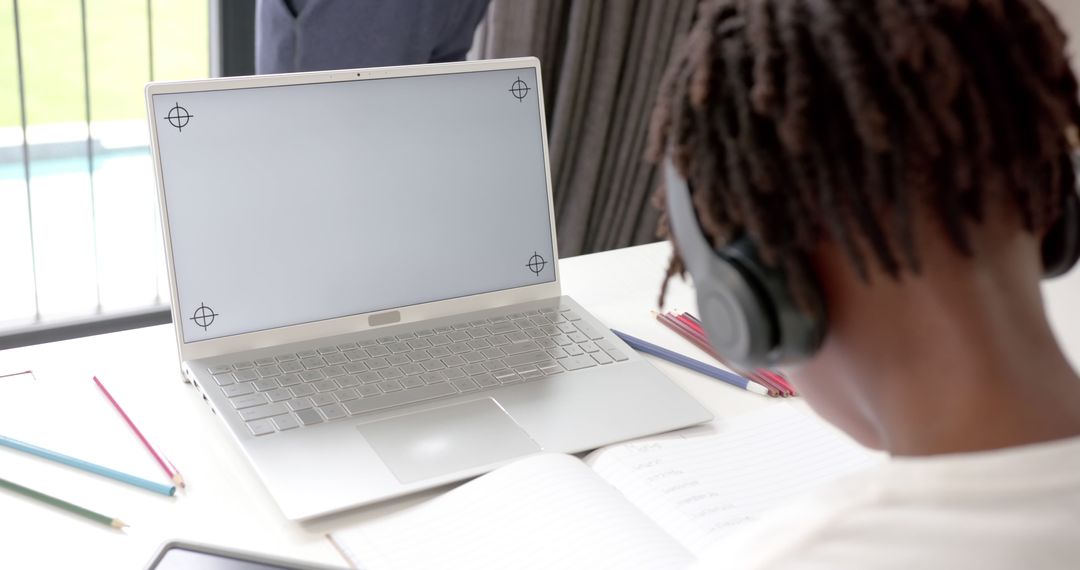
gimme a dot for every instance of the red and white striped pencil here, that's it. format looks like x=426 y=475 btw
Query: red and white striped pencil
x=163 y=461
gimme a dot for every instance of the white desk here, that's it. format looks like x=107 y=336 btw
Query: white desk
x=224 y=503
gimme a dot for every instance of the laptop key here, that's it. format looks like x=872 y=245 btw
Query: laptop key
x=311 y=375
x=356 y=367
x=225 y=379
x=486 y=381
x=356 y=354
x=243 y=365
x=302 y=390
x=391 y=373
x=493 y=365
x=285 y=358
x=267 y=371
x=452 y=373
x=459 y=348
x=412 y=369
x=474 y=369
x=323 y=399
x=577 y=362
x=439 y=352
x=246 y=375
x=433 y=377
x=419 y=355
x=264 y=411
x=248 y=401
x=399 y=347
x=369 y=377
x=309 y=417
x=313 y=362
x=412 y=382
x=336 y=358
x=299 y=404
x=562 y=340
x=221 y=369
x=589 y=347
x=346 y=395
x=290 y=367
x=327 y=349
x=473 y=357
x=325 y=386
x=376 y=351
x=507 y=377
x=289 y=380
x=526 y=358
x=237 y=390
x=377 y=363
x=520 y=347
x=279 y=395
x=307 y=353
x=557 y=353
x=368 y=390
x=617 y=355
x=601 y=358
x=546 y=343
x=397 y=359
x=439 y=340
x=390 y=386
x=347 y=381
x=465 y=385
x=265 y=361
x=498 y=340
x=573 y=350
x=334 y=411
x=261 y=427
x=453 y=360
x=266 y=384
x=429 y=392
x=286 y=422
x=503 y=328
x=420 y=343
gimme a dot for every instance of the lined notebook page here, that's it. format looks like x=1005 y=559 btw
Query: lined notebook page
x=547 y=511
x=700 y=489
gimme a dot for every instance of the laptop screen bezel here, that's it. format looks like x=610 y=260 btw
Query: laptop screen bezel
x=359 y=322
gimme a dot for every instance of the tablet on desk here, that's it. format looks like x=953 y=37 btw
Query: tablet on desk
x=190 y=556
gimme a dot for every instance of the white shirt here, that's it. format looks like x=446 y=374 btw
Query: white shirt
x=1011 y=508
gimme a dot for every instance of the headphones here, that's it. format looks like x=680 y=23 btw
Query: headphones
x=746 y=305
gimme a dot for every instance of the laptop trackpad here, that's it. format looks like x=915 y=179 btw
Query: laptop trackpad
x=444 y=440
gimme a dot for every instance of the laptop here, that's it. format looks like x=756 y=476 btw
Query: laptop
x=365 y=281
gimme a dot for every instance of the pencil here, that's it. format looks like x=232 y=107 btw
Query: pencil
x=165 y=464
x=17 y=445
x=695 y=365
x=771 y=378
x=61 y=504
x=685 y=330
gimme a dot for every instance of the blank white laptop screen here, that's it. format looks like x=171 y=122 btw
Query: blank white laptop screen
x=301 y=203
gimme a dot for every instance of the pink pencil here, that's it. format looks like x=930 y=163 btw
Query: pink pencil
x=165 y=464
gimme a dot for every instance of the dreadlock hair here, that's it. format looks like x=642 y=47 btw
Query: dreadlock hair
x=798 y=119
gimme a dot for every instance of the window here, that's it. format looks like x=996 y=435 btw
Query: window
x=79 y=235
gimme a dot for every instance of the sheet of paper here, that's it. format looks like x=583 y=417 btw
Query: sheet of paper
x=547 y=511
x=699 y=488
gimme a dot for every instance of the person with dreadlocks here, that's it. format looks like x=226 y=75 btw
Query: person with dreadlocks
x=899 y=162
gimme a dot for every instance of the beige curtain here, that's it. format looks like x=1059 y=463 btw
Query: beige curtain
x=602 y=61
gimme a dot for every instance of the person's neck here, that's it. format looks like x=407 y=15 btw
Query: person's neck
x=967 y=363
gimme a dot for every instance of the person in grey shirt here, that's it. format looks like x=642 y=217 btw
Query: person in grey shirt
x=309 y=35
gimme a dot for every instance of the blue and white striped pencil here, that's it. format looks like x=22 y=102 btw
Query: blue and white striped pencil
x=168 y=490
x=695 y=365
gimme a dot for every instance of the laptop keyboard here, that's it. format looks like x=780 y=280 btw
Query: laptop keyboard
x=328 y=383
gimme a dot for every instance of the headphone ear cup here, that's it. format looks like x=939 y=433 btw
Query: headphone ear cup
x=1061 y=246
x=736 y=317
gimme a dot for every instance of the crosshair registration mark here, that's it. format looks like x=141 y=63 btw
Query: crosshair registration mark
x=204 y=316
x=536 y=263
x=519 y=89
x=179 y=117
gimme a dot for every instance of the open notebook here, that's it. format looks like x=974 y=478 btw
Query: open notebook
x=653 y=503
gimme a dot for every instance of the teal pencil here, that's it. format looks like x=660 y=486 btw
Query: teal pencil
x=61 y=504
x=15 y=444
